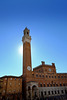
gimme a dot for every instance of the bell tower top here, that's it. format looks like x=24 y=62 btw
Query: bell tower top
x=26 y=37
x=26 y=31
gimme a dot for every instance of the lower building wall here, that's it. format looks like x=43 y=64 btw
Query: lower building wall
x=45 y=92
x=52 y=91
x=11 y=97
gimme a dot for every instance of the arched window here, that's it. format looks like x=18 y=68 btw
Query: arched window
x=36 y=75
x=47 y=85
x=49 y=92
x=55 y=92
x=63 y=84
x=45 y=92
x=44 y=84
x=58 y=92
x=56 y=84
x=28 y=87
x=60 y=84
x=62 y=91
x=51 y=85
x=41 y=93
x=41 y=85
x=52 y=92
x=27 y=33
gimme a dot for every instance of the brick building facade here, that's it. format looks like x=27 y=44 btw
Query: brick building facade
x=41 y=83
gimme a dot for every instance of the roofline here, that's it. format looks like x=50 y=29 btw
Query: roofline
x=11 y=76
x=61 y=73
x=43 y=66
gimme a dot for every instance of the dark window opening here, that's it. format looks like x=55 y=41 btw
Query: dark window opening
x=35 y=94
x=58 y=92
x=44 y=85
x=51 y=85
x=27 y=33
x=56 y=84
x=55 y=76
x=61 y=76
x=36 y=75
x=47 y=85
x=52 y=92
x=39 y=75
x=60 y=84
x=29 y=88
x=41 y=93
x=65 y=91
x=55 y=92
x=15 y=78
x=62 y=91
x=63 y=84
x=52 y=76
x=33 y=75
x=42 y=75
x=45 y=92
x=58 y=76
x=49 y=92
x=64 y=76
x=40 y=85
x=46 y=76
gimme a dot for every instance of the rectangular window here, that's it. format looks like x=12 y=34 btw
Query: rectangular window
x=58 y=76
x=19 y=79
x=45 y=92
x=52 y=76
x=39 y=75
x=46 y=76
x=51 y=85
x=47 y=85
x=58 y=92
x=55 y=76
x=56 y=84
x=61 y=76
x=44 y=85
x=55 y=92
x=15 y=78
x=62 y=91
x=63 y=84
x=42 y=75
x=60 y=84
x=40 y=85
x=36 y=75
x=52 y=92
x=49 y=92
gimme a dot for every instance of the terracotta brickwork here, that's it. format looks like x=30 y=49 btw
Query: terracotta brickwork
x=46 y=76
x=11 y=85
x=1 y=86
x=42 y=82
x=43 y=78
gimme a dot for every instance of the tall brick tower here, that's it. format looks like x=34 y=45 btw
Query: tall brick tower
x=27 y=68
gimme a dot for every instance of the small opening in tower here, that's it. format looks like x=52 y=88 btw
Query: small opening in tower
x=27 y=33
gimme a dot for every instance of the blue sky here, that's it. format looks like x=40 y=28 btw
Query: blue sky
x=47 y=21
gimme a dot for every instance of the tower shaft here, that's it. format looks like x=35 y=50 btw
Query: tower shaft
x=27 y=68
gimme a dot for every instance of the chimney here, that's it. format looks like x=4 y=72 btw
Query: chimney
x=53 y=64
x=43 y=63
